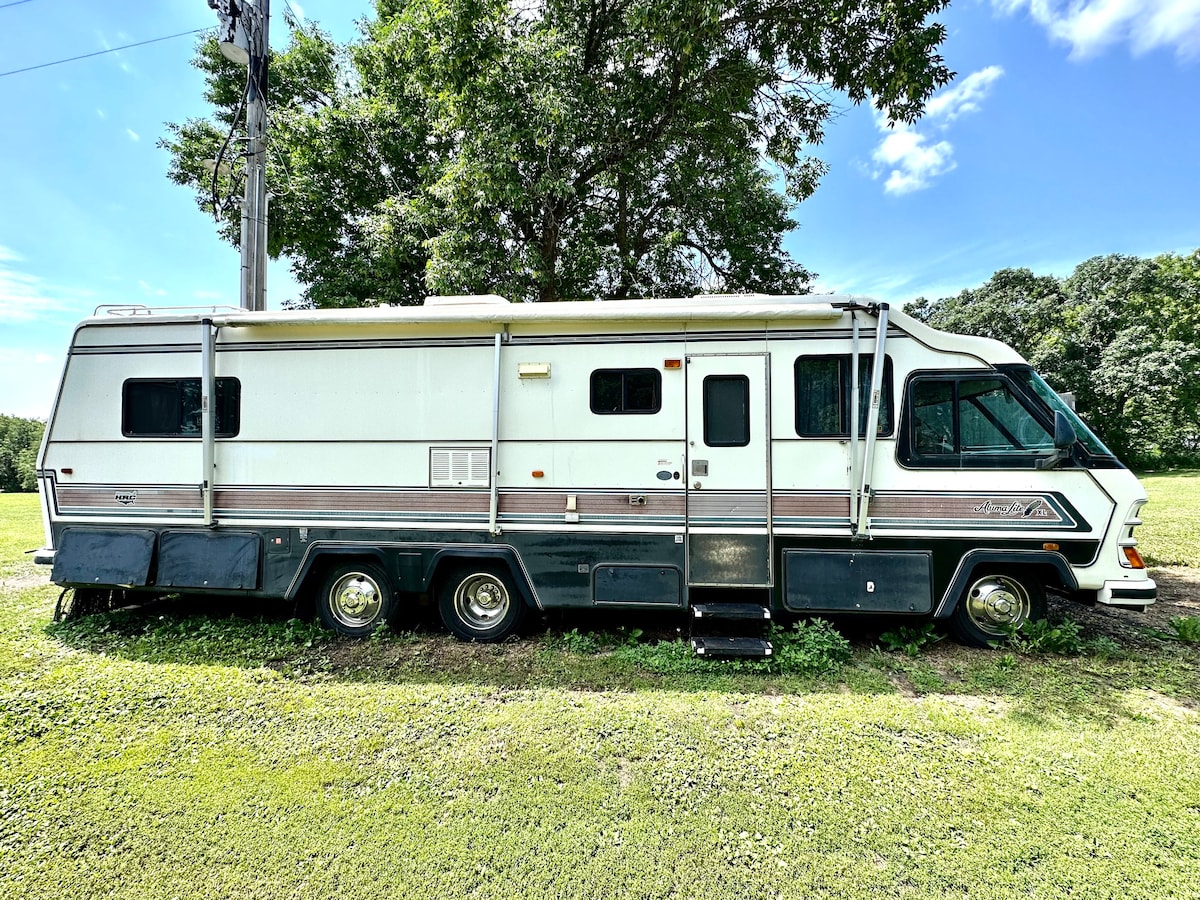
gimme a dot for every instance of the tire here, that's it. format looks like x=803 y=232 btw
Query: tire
x=993 y=604
x=479 y=602
x=355 y=599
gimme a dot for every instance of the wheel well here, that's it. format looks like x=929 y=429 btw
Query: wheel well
x=447 y=562
x=1040 y=573
x=319 y=566
x=1049 y=571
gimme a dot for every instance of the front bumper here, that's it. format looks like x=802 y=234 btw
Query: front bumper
x=1138 y=594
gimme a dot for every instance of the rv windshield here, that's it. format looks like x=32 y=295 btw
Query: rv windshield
x=1047 y=394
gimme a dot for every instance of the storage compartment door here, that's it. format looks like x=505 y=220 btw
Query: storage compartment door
x=104 y=556
x=858 y=581
x=208 y=560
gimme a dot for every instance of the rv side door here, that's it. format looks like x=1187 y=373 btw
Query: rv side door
x=728 y=470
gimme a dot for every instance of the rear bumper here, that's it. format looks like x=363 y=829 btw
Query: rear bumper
x=1122 y=593
x=44 y=556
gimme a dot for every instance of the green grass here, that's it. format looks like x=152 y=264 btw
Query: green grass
x=171 y=754
x=1171 y=533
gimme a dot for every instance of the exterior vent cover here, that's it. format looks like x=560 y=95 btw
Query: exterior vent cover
x=459 y=467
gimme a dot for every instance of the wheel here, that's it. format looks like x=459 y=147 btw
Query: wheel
x=994 y=604
x=480 y=603
x=355 y=599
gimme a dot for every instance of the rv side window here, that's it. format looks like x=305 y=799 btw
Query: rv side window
x=970 y=421
x=170 y=407
x=726 y=411
x=823 y=400
x=628 y=391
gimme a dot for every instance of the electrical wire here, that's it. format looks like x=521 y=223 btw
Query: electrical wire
x=59 y=62
x=15 y=3
x=219 y=205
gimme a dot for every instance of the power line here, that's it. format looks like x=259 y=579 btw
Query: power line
x=59 y=62
x=15 y=3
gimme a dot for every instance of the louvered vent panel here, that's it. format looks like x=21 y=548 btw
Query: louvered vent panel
x=449 y=467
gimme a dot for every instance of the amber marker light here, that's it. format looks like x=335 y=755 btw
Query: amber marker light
x=538 y=473
x=672 y=363
x=1049 y=546
x=1135 y=558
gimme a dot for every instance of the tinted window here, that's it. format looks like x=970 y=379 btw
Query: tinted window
x=971 y=421
x=170 y=407
x=726 y=411
x=823 y=400
x=633 y=391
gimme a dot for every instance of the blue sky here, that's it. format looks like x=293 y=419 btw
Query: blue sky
x=1070 y=131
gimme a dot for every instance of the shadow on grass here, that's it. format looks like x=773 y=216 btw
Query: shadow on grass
x=635 y=652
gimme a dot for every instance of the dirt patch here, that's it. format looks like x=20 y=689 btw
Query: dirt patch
x=24 y=577
x=1178 y=595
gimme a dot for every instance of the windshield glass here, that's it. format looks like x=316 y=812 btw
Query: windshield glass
x=1034 y=381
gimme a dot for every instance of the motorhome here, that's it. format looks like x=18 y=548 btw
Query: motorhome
x=723 y=456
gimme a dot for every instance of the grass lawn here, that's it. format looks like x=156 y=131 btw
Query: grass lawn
x=164 y=754
x=1171 y=535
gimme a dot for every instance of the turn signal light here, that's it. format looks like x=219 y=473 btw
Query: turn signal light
x=1135 y=558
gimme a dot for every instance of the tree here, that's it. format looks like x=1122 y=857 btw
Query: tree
x=1121 y=333
x=19 y=443
x=1015 y=306
x=561 y=148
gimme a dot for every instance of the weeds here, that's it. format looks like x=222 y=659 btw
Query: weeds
x=1185 y=629
x=911 y=640
x=1062 y=638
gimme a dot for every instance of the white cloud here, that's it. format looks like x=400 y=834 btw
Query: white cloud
x=1092 y=26
x=910 y=157
x=299 y=11
x=24 y=297
x=150 y=291
x=133 y=135
x=963 y=97
x=913 y=161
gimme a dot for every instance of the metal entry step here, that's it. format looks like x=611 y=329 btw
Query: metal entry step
x=743 y=611
x=732 y=646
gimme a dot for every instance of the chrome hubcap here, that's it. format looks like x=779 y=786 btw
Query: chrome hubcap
x=355 y=600
x=481 y=601
x=996 y=603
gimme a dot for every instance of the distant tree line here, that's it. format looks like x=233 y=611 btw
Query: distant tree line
x=1122 y=333
x=19 y=442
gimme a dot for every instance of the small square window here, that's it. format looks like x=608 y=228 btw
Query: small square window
x=626 y=391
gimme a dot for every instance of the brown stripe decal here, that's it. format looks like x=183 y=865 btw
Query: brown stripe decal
x=243 y=500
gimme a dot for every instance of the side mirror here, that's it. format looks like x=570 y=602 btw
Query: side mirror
x=1064 y=440
x=1064 y=431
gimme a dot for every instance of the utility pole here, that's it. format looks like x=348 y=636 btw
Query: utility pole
x=244 y=38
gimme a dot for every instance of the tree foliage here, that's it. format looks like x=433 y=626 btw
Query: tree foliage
x=1121 y=333
x=19 y=443
x=550 y=149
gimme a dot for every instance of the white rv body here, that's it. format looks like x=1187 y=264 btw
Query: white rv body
x=583 y=454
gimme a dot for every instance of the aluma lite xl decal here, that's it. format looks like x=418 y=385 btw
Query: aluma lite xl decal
x=1036 y=509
